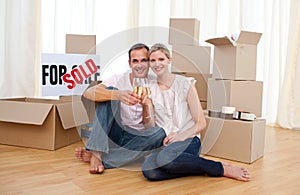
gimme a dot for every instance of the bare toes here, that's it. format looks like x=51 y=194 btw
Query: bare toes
x=236 y=173
x=96 y=165
x=83 y=154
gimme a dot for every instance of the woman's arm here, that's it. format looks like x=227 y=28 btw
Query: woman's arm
x=148 y=112
x=197 y=114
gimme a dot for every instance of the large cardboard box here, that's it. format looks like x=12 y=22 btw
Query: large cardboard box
x=188 y=58
x=41 y=123
x=235 y=61
x=244 y=95
x=237 y=140
x=201 y=84
x=184 y=31
x=80 y=44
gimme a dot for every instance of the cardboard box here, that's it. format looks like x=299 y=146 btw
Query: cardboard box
x=234 y=139
x=235 y=61
x=80 y=44
x=184 y=31
x=187 y=58
x=41 y=123
x=201 y=84
x=244 y=95
x=203 y=104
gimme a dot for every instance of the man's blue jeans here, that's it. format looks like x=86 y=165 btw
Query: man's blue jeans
x=120 y=145
x=180 y=159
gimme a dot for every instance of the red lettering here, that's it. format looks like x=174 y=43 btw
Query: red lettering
x=66 y=79
x=79 y=74
x=91 y=66
x=76 y=75
x=83 y=72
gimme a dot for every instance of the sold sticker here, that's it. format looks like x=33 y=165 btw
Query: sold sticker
x=79 y=74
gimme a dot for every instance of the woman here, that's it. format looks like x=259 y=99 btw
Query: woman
x=179 y=112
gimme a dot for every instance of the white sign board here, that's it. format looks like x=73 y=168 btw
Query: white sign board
x=68 y=74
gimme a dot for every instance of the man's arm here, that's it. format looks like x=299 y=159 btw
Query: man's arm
x=99 y=93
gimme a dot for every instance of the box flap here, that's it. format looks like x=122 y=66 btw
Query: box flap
x=24 y=112
x=13 y=98
x=246 y=37
x=221 y=41
x=72 y=114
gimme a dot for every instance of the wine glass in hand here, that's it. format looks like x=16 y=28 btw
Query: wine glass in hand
x=140 y=85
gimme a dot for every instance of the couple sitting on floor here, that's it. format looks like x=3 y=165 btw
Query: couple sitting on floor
x=127 y=127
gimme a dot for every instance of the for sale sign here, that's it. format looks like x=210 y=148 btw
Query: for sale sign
x=68 y=74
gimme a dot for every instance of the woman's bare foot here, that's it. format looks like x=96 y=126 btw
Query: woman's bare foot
x=83 y=154
x=96 y=165
x=234 y=172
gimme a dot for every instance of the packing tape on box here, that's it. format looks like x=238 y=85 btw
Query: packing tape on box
x=214 y=113
x=237 y=114
x=228 y=109
x=227 y=112
x=242 y=115
x=248 y=116
x=226 y=116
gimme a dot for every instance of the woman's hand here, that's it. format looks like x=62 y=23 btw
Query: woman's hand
x=172 y=137
x=145 y=98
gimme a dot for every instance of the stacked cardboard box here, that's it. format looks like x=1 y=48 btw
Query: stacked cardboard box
x=189 y=58
x=234 y=85
x=80 y=44
x=84 y=44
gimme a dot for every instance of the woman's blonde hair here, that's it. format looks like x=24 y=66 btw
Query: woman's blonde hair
x=160 y=47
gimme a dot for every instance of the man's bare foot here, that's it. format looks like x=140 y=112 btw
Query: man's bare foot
x=83 y=154
x=234 y=172
x=96 y=165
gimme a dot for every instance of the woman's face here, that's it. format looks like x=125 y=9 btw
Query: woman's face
x=159 y=63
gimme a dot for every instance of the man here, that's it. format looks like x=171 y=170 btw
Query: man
x=118 y=136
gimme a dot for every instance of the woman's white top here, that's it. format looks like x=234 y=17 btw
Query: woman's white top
x=171 y=106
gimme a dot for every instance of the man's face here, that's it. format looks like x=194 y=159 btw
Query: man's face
x=139 y=62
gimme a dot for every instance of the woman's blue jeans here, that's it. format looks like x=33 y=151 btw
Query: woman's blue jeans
x=180 y=159
x=120 y=145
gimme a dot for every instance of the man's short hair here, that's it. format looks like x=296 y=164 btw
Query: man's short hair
x=137 y=46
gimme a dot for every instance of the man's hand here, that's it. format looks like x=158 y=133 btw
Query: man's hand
x=99 y=93
x=128 y=97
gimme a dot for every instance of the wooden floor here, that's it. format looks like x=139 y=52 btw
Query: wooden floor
x=31 y=171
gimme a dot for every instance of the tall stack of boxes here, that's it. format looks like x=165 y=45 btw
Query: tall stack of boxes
x=84 y=44
x=189 y=58
x=233 y=85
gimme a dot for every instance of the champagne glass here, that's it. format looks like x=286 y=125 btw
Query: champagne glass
x=140 y=85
